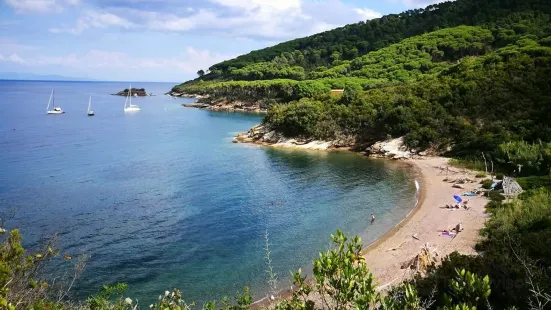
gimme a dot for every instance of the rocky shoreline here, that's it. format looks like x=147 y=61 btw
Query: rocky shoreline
x=391 y=148
x=222 y=104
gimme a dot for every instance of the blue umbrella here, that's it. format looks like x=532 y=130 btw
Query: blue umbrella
x=457 y=198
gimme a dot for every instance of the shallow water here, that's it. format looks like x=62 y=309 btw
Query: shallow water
x=162 y=198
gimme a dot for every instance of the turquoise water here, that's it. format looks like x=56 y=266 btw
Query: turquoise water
x=162 y=198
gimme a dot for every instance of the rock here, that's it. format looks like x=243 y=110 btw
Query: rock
x=196 y=105
x=423 y=153
x=271 y=137
x=140 y=92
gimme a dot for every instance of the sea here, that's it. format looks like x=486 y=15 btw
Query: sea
x=163 y=199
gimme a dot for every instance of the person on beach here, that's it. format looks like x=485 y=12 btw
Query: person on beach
x=372 y=218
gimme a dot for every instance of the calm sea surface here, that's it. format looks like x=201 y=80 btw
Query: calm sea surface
x=162 y=198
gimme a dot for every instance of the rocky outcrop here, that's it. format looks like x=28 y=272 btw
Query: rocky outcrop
x=185 y=95
x=265 y=136
x=223 y=104
x=392 y=148
x=196 y=105
x=140 y=92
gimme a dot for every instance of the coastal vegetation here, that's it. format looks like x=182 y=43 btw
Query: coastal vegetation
x=456 y=78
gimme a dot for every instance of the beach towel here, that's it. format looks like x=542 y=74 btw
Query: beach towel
x=447 y=234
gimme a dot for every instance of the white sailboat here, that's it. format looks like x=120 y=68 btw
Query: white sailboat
x=90 y=112
x=54 y=110
x=130 y=107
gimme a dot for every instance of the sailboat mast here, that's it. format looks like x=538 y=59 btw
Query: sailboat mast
x=89 y=103
x=130 y=95
x=50 y=100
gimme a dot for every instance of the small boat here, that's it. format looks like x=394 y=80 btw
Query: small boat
x=128 y=106
x=90 y=112
x=54 y=110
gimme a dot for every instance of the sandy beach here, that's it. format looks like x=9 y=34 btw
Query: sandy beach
x=386 y=256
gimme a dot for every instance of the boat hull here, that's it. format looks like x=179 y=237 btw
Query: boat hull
x=56 y=112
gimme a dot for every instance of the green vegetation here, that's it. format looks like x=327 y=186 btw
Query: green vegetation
x=460 y=78
x=351 y=41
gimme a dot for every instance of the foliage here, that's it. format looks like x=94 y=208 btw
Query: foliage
x=342 y=277
x=486 y=184
x=333 y=47
x=110 y=297
x=343 y=281
x=468 y=289
x=495 y=196
x=534 y=182
x=23 y=283
x=520 y=155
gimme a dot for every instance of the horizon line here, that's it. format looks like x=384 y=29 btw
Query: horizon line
x=89 y=81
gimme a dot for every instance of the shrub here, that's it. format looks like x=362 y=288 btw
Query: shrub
x=495 y=196
x=480 y=175
x=486 y=184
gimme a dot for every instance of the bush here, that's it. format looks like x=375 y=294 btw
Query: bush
x=499 y=176
x=495 y=196
x=486 y=184
x=534 y=182
x=480 y=175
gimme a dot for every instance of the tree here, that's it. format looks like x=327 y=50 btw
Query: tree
x=200 y=73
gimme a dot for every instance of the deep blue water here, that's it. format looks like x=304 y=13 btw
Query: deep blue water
x=162 y=198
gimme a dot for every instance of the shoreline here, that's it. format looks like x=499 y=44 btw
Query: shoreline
x=386 y=255
x=420 y=195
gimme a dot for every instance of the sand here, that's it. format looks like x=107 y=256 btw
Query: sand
x=386 y=256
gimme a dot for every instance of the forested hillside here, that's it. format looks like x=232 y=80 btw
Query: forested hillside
x=462 y=89
x=351 y=41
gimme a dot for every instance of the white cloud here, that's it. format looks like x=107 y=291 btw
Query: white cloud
x=94 y=19
x=13 y=58
x=188 y=62
x=266 y=19
x=10 y=47
x=368 y=13
x=265 y=5
x=40 y=6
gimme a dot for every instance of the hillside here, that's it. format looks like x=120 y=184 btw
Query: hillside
x=351 y=41
x=461 y=89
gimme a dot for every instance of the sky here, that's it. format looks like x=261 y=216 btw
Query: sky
x=162 y=40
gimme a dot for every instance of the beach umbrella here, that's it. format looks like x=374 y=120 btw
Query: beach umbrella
x=457 y=198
